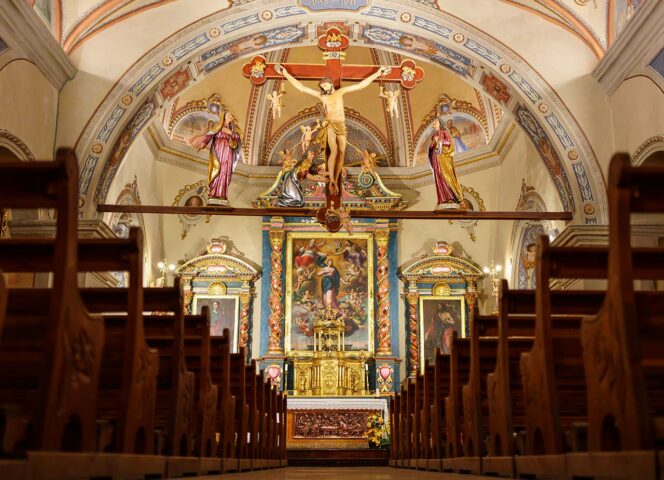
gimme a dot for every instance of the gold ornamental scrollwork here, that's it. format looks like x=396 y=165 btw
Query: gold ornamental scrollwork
x=245 y=305
x=276 y=292
x=442 y=289
x=217 y=288
x=413 y=348
x=383 y=292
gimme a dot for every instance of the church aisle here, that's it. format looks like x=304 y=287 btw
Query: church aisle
x=330 y=473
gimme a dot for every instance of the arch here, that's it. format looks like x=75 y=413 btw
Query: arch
x=120 y=223
x=12 y=146
x=358 y=126
x=650 y=150
x=524 y=236
x=266 y=26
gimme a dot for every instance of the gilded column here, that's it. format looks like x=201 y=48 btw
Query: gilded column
x=245 y=304
x=471 y=298
x=383 y=294
x=276 y=293
x=4 y=222
x=413 y=336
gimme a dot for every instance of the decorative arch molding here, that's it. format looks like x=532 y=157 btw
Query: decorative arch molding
x=524 y=235
x=432 y=268
x=220 y=270
x=15 y=145
x=261 y=27
x=355 y=121
x=120 y=223
x=646 y=149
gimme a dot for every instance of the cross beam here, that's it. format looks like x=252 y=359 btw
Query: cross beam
x=311 y=212
x=332 y=43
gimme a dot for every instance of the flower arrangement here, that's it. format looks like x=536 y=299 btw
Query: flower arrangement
x=378 y=433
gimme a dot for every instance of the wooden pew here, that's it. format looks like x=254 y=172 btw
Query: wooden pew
x=553 y=382
x=514 y=336
x=438 y=420
x=409 y=426
x=251 y=389
x=220 y=370
x=426 y=445
x=164 y=331
x=239 y=392
x=454 y=460
x=622 y=343
x=394 y=437
x=283 y=418
x=49 y=359
x=404 y=442
x=416 y=412
x=3 y=302
x=198 y=355
x=483 y=353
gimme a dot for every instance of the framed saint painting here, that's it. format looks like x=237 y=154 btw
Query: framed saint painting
x=439 y=318
x=333 y=272
x=224 y=313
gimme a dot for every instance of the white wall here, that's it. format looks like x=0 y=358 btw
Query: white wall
x=29 y=107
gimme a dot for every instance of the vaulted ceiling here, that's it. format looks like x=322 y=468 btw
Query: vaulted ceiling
x=503 y=62
x=73 y=22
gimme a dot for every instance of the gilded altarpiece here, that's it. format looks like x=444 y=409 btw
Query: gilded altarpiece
x=223 y=281
x=327 y=307
x=440 y=291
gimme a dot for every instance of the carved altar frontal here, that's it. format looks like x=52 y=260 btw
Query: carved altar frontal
x=315 y=423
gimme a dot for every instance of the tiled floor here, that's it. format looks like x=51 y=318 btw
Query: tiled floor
x=359 y=473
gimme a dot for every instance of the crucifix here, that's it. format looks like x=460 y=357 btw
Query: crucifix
x=330 y=93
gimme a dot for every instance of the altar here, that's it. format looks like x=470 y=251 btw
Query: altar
x=329 y=423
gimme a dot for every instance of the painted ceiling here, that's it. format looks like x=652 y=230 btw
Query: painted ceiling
x=595 y=22
x=398 y=139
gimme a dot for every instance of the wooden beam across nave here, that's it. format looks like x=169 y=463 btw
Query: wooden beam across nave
x=311 y=212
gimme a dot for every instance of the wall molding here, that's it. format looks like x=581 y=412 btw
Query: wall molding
x=27 y=35
x=641 y=40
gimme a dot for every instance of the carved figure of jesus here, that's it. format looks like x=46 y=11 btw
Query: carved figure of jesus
x=391 y=97
x=276 y=103
x=333 y=106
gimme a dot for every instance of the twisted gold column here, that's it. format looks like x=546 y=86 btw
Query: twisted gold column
x=383 y=294
x=245 y=304
x=413 y=327
x=276 y=293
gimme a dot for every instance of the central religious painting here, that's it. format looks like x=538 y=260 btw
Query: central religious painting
x=329 y=272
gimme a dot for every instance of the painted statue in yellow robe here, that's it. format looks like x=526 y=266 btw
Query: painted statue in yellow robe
x=441 y=160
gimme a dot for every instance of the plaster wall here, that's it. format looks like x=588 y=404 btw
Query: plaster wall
x=637 y=110
x=243 y=232
x=28 y=107
x=140 y=164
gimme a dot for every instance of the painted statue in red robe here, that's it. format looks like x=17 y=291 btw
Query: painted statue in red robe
x=225 y=146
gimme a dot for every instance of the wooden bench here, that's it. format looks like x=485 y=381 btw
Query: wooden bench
x=553 y=381
x=394 y=429
x=416 y=413
x=220 y=371
x=438 y=420
x=454 y=460
x=164 y=331
x=3 y=302
x=283 y=428
x=49 y=358
x=426 y=445
x=239 y=393
x=622 y=343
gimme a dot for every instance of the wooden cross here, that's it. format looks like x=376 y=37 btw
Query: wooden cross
x=332 y=43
